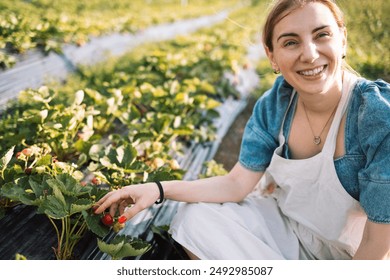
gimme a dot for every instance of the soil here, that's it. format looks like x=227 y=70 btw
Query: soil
x=229 y=148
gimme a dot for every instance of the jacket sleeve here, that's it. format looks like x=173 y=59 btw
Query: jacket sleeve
x=261 y=132
x=374 y=138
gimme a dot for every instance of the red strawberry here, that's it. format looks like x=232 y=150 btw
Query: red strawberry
x=107 y=220
x=96 y=181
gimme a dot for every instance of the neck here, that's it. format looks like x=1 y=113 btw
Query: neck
x=322 y=103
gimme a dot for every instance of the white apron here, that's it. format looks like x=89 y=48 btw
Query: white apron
x=308 y=216
x=327 y=220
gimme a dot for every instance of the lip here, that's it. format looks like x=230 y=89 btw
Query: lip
x=313 y=72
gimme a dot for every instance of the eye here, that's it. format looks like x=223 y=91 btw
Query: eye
x=289 y=43
x=323 y=34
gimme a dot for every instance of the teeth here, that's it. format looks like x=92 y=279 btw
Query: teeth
x=312 y=72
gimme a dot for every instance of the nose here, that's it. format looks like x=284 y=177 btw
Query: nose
x=309 y=52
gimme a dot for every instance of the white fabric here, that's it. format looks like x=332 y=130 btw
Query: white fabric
x=309 y=214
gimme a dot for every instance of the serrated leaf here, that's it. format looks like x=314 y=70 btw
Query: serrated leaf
x=17 y=192
x=80 y=205
x=94 y=224
x=110 y=249
x=12 y=191
x=129 y=250
x=129 y=155
x=68 y=185
x=38 y=185
x=56 y=187
x=124 y=246
x=54 y=207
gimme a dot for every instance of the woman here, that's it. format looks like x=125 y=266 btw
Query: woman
x=316 y=147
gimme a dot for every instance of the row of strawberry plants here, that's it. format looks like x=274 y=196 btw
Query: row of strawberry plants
x=125 y=127
x=25 y=25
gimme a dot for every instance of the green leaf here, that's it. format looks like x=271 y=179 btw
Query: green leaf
x=95 y=95
x=207 y=87
x=124 y=246
x=132 y=249
x=38 y=185
x=17 y=191
x=12 y=191
x=126 y=156
x=68 y=185
x=94 y=224
x=143 y=135
x=56 y=187
x=80 y=205
x=96 y=152
x=183 y=131
x=54 y=207
x=160 y=176
x=211 y=104
x=44 y=161
x=110 y=249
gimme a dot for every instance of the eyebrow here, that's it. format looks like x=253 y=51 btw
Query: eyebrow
x=291 y=34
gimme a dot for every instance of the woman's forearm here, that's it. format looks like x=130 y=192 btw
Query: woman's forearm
x=231 y=187
x=375 y=244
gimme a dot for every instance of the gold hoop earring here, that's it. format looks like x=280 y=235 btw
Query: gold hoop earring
x=276 y=71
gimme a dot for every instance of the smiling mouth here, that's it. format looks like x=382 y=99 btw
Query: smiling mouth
x=313 y=72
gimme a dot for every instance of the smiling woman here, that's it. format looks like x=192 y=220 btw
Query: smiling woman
x=312 y=180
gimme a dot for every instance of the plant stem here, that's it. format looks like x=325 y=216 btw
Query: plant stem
x=58 y=237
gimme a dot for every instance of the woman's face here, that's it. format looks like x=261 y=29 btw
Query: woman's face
x=308 y=46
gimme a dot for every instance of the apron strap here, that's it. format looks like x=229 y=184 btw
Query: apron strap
x=281 y=136
x=349 y=82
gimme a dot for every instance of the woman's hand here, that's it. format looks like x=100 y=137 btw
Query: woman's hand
x=128 y=200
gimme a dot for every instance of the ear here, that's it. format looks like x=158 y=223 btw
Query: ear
x=271 y=58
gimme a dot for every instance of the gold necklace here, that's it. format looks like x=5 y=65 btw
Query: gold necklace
x=317 y=139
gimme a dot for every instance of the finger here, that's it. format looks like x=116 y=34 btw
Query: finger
x=104 y=202
x=113 y=209
x=129 y=213
x=122 y=207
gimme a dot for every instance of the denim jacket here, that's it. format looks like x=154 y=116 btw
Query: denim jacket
x=364 y=170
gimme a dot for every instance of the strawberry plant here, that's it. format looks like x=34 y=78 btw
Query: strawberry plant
x=66 y=128
x=123 y=246
x=25 y=25
x=56 y=190
x=121 y=165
